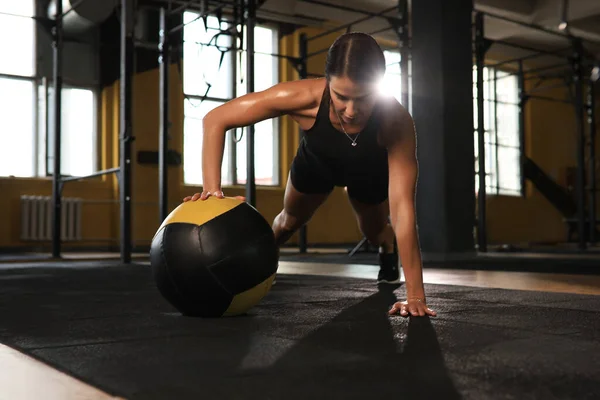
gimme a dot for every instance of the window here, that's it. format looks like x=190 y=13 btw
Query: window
x=78 y=133
x=502 y=139
x=213 y=75
x=17 y=89
x=25 y=106
x=17 y=36
x=17 y=130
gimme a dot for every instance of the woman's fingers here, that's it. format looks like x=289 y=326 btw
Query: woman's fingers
x=406 y=309
x=206 y=194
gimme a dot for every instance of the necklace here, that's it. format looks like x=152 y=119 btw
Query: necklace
x=344 y=129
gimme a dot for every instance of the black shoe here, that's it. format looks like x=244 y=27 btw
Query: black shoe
x=389 y=272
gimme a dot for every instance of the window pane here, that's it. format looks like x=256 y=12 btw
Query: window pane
x=264 y=40
x=195 y=110
x=266 y=155
x=21 y=7
x=501 y=162
x=266 y=72
x=507 y=89
x=78 y=132
x=265 y=160
x=17 y=128
x=201 y=59
x=17 y=38
x=265 y=65
x=510 y=169
x=508 y=125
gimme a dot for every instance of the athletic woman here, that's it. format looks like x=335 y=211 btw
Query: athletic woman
x=354 y=138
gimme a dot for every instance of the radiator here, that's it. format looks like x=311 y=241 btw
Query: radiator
x=36 y=218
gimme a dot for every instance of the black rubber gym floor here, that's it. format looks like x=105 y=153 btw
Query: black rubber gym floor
x=311 y=338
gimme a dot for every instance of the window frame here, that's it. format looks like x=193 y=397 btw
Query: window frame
x=41 y=111
x=494 y=188
x=43 y=136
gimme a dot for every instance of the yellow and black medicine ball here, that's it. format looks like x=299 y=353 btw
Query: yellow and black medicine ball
x=214 y=257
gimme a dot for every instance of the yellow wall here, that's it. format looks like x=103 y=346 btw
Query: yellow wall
x=510 y=219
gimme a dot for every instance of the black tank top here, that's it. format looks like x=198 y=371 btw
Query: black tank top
x=331 y=150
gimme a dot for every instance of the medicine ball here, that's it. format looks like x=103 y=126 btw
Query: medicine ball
x=214 y=257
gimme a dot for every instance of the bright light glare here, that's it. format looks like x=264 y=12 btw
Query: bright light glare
x=391 y=84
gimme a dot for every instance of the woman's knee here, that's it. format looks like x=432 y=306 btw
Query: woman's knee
x=374 y=231
x=290 y=222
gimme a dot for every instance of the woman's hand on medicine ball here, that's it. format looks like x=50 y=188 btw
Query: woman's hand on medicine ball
x=206 y=194
x=412 y=307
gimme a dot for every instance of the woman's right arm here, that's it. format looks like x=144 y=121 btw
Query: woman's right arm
x=281 y=99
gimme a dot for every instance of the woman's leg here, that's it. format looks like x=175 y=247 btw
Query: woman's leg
x=298 y=208
x=373 y=221
x=374 y=224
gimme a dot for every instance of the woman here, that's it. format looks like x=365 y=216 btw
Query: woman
x=354 y=138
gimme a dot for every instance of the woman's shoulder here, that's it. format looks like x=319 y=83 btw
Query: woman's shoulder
x=394 y=119
x=309 y=89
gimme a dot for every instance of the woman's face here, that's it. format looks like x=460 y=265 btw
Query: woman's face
x=354 y=102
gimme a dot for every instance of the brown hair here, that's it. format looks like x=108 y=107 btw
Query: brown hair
x=355 y=55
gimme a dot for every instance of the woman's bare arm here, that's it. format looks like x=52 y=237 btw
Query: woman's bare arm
x=284 y=98
x=403 y=171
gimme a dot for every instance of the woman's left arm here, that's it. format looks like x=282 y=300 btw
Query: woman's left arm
x=403 y=174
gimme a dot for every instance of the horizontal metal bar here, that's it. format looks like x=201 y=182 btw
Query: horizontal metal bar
x=495 y=101
x=546 y=68
x=209 y=98
x=22 y=16
x=184 y=7
x=76 y=4
x=114 y=201
x=536 y=53
x=536 y=50
x=325 y=50
x=67 y=83
x=94 y=175
x=18 y=77
x=542 y=88
x=387 y=10
x=524 y=24
x=180 y=27
x=549 y=99
x=381 y=30
x=349 y=9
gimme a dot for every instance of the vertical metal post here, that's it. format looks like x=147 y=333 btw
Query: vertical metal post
x=163 y=137
x=57 y=54
x=238 y=21
x=302 y=69
x=404 y=51
x=481 y=206
x=579 y=116
x=250 y=177
x=522 y=103
x=125 y=102
x=496 y=144
x=591 y=107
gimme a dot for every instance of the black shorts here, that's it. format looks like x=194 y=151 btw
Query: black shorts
x=312 y=177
